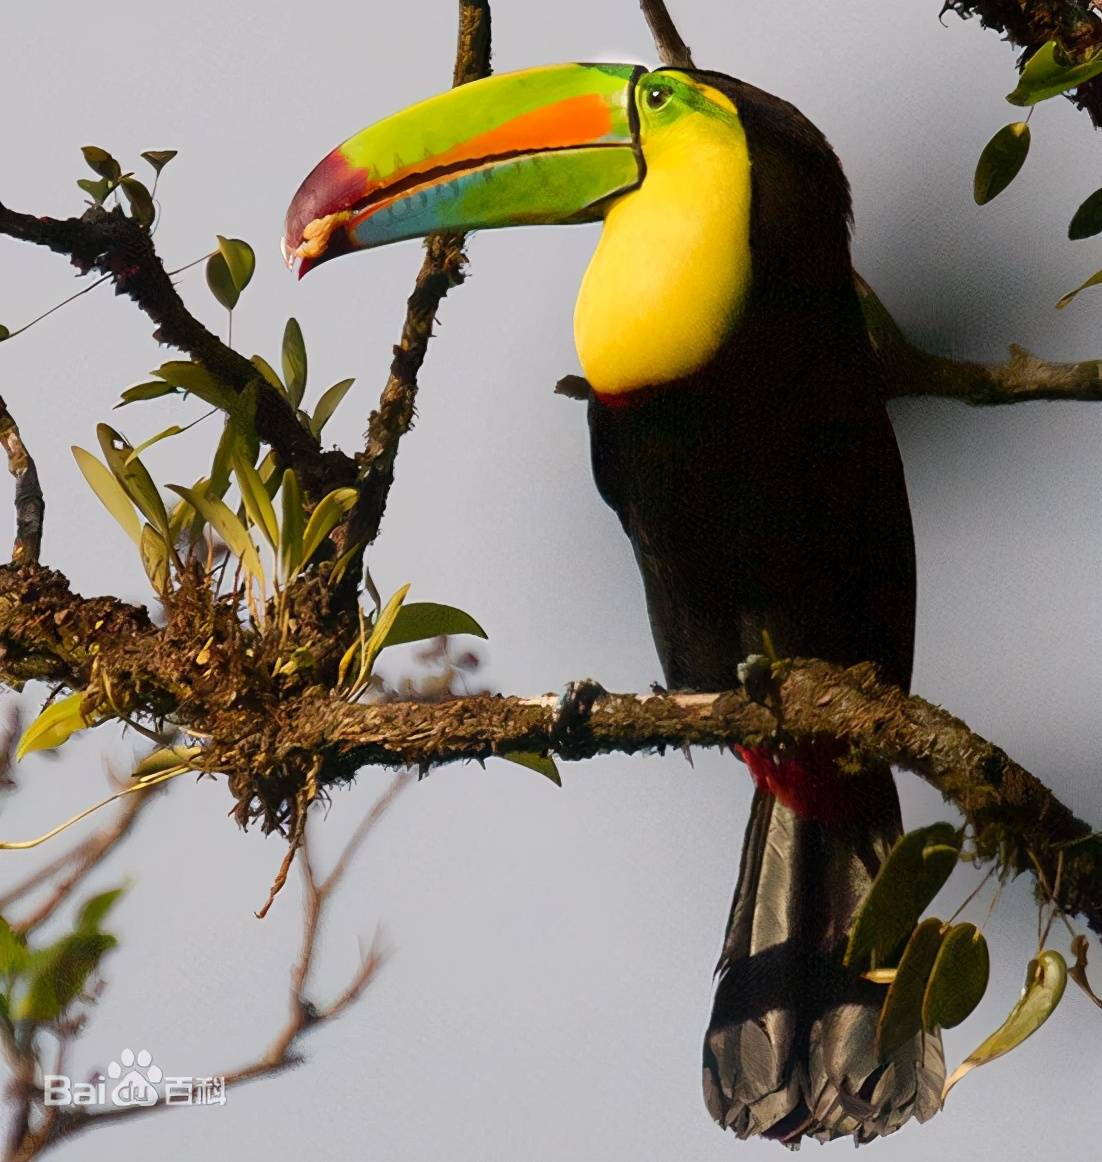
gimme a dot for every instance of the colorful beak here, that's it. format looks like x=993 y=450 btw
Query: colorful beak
x=546 y=145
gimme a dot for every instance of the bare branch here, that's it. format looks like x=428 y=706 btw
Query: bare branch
x=80 y=860
x=672 y=50
x=910 y=371
x=441 y=270
x=30 y=507
x=58 y=1124
x=113 y=244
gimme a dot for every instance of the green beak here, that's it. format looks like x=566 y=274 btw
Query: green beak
x=545 y=145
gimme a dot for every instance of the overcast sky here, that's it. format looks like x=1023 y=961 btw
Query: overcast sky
x=551 y=976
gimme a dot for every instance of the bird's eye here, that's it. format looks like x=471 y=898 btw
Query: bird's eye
x=658 y=96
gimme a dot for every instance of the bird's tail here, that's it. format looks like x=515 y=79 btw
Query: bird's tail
x=791 y=1047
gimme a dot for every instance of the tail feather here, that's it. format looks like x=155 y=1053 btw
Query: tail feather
x=790 y=1050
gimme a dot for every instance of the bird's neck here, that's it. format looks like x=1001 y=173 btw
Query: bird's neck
x=671 y=274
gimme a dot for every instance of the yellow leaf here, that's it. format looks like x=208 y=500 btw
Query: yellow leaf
x=53 y=726
x=1045 y=980
x=330 y=511
x=110 y=492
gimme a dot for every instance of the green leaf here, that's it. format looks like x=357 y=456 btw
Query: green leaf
x=291 y=527
x=184 y=523
x=229 y=445
x=155 y=558
x=270 y=475
x=13 y=952
x=132 y=474
x=381 y=630
x=340 y=566
x=540 y=763
x=61 y=973
x=901 y=1014
x=240 y=260
x=294 y=361
x=300 y=659
x=269 y=373
x=226 y=523
x=1044 y=76
x=159 y=158
x=1094 y=280
x=1002 y=157
x=95 y=908
x=914 y=872
x=53 y=726
x=221 y=281
x=328 y=513
x=98 y=190
x=255 y=497
x=164 y=434
x=102 y=162
x=152 y=390
x=142 y=208
x=110 y=492
x=330 y=400
x=421 y=620
x=198 y=381
x=1087 y=220
x=4 y=332
x=958 y=978
x=1045 y=981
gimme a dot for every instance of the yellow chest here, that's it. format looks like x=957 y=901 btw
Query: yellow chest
x=671 y=273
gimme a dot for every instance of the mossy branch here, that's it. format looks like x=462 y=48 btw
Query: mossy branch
x=267 y=737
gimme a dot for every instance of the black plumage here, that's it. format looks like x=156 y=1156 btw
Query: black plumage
x=765 y=492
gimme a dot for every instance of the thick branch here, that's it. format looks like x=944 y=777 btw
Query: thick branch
x=113 y=244
x=672 y=50
x=910 y=371
x=441 y=270
x=45 y=631
x=1014 y=815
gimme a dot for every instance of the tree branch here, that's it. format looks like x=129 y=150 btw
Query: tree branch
x=1016 y=819
x=267 y=736
x=672 y=50
x=113 y=244
x=441 y=270
x=30 y=507
x=910 y=371
x=32 y=1137
x=1074 y=24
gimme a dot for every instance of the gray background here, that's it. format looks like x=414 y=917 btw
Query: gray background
x=552 y=949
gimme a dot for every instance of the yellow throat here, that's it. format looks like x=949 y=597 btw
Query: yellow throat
x=671 y=272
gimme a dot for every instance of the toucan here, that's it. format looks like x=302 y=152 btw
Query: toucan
x=738 y=432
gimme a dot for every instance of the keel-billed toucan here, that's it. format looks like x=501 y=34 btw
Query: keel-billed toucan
x=738 y=433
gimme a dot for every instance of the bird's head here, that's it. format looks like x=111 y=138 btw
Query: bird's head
x=709 y=190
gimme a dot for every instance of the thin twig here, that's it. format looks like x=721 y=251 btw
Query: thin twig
x=60 y=1124
x=83 y=858
x=30 y=506
x=109 y=242
x=441 y=270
